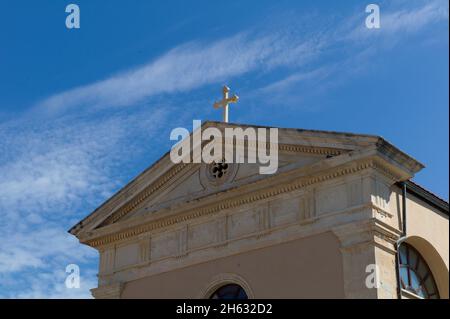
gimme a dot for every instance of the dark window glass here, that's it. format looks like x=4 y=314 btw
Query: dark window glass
x=230 y=291
x=415 y=275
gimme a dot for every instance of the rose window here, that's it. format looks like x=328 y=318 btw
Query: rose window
x=218 y=169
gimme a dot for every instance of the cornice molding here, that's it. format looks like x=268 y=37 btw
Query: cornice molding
x=112 y=291
x=311 y=149
x=369 y=232
x=152 y=188
x=144 y=194
x=237 y=201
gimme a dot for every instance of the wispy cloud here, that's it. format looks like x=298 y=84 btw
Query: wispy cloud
x=352 y=47
x=187 y=67
x=51 y=285
x=195 y=64
x=198 y=63
x=52 y=173
x=399 y=21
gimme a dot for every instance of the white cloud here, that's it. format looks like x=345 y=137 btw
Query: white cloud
x=352 y=48
x=197 y=63
x=188 y=67
x=51 y=173
x=30 y=248
x=51 y=285
x=415 y=19
x=398 y=22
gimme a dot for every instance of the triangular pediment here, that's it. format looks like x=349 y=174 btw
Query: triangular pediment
x=195 y=182
x=166 y=185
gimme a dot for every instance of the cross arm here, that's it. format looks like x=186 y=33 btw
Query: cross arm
x=226 y=101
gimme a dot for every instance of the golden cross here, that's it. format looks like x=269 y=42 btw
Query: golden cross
x=225 y=101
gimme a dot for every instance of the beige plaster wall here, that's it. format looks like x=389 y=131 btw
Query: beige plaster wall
x=426 y=222
x=305 y=268
x=427 y=229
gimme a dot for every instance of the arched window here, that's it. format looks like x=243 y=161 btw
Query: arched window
x=415 y=275
x=229 y=291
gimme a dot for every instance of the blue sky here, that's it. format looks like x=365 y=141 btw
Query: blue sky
x=84 y=111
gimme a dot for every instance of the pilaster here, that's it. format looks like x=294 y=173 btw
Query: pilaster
x=368 y=257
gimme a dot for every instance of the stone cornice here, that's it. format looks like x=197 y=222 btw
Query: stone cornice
x=144 y=194
x=372 y=231
x=154 y=187
x=291 y=140
x=390 y=151
x=353 y=224
x=263 y=194
x=108 y=292
x=310 y=150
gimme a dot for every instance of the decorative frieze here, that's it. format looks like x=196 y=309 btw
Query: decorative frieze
x=382 y=194
x=165 y=245
x=127 y=254
x=151 y=189
x=354 y=192
x=144 y=249
x=107 y=257
x=264 y=218
x=331 y=199
x=283 y=211
x=222 y=230
x=243 y=223
x=202 y=234
x=241 y=200
x=307 y=207
x=183 y=241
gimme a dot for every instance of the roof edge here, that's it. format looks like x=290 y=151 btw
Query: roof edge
x=413 y=163
x=427 y=196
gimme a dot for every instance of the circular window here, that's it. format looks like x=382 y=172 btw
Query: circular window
x=415 y=275
x=229 y=291
x=217 y=173
x=218 y=170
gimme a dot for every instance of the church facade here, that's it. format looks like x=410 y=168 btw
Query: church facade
x=341 y=218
